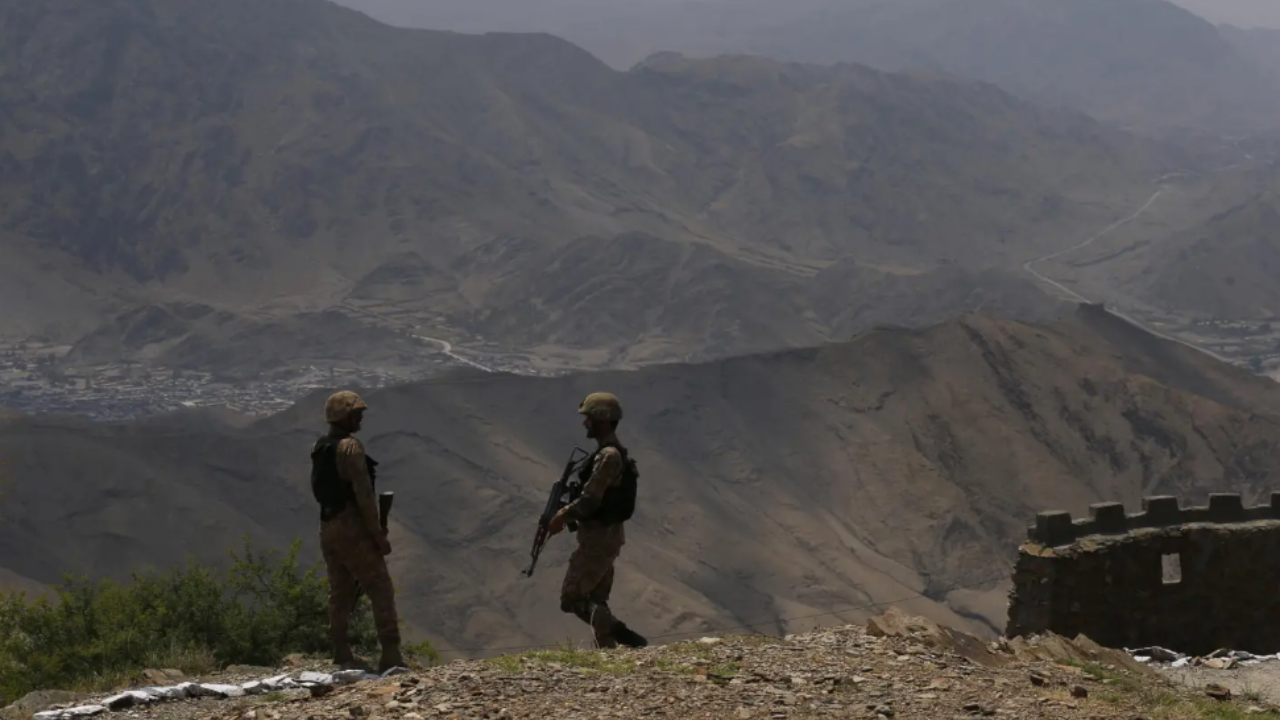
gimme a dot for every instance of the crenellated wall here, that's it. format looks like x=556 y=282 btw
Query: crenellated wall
x=1190 y=579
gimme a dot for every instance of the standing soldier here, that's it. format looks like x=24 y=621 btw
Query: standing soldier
x=607 y=501
x=351 y=538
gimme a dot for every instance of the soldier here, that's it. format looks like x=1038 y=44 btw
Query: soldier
x=607 y=501
x=351 y=537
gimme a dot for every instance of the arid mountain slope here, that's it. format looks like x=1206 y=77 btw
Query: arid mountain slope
x=1147 y=62
x=1260 y=44
x=776 y=485
x=1223 y=266
x=293 y=153
x=190 y=336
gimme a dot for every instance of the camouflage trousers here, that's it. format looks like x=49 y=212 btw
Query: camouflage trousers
x=589 y=580
x=351 y=556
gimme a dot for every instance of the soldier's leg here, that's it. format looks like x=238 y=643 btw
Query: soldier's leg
x=576 y=588
x=370 y=569
x=609 y=630
x=342 y=599
x=602 y=619
x=586 y=585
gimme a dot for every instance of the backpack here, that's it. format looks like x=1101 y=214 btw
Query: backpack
x=619 y=502
x=327 y=486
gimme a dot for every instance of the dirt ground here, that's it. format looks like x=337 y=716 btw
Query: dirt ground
x=1252 y=683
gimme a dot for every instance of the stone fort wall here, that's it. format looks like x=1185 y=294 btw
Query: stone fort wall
x=1192 y=579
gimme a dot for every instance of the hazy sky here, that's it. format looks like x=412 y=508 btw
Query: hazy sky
x=1244 y=13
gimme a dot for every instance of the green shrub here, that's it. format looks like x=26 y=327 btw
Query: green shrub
x=96 y=635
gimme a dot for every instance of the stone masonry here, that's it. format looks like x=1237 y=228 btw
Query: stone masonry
x=1188 y=579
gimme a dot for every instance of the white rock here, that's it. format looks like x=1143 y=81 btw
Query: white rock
x=253 y=687
x=169 y=692
x=229 y=691
x=128 y=698
x=315 y=678
x=709 y=640
x=278 y=681
x=81 y=711
x=346 y=677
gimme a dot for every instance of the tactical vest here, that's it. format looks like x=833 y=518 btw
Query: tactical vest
x=619 y=502
x=330 y=490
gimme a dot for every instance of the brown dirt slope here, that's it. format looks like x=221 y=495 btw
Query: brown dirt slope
x=903 y=464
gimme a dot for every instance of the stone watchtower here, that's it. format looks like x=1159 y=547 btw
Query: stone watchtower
x=1189 y=579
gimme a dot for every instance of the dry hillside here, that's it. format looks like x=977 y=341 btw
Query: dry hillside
x=286 y=155
x=233 y=346
x=901 y=464
x=1222 y=268
x=1206 y=251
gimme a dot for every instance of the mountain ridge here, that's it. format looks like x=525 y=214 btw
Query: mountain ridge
x=779 y=484
x=287 y=156
x=1148 y=62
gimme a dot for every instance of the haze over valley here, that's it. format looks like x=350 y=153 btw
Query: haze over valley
x=876 y=282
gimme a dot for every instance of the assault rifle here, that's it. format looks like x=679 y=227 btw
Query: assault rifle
x=385 y=499
x=565 y=491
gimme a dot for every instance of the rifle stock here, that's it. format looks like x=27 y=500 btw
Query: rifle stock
x=556 y=500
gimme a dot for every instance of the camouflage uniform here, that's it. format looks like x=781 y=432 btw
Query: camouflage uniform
x=348 y=541
x=588 y=581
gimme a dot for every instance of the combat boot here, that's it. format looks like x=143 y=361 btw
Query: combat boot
x=627 y=636
x=605 y=641
x=342 y=655
x=391 y=657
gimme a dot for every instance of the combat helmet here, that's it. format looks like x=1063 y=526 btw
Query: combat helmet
x=340 y=405
x=601 y=406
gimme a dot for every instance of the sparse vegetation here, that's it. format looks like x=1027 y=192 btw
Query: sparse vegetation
x=1164 y=704
x=97 y=635
x=680 y=658
x=566 y=656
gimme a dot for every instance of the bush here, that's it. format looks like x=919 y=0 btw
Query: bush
x=98 y=635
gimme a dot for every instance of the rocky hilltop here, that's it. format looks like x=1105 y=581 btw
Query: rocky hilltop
x=895 y=667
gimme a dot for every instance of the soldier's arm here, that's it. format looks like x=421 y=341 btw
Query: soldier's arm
x=605 y=472
x=352 y=468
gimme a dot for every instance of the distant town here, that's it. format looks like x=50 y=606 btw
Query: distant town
x=33 y=382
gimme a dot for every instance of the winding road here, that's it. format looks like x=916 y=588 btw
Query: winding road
x=1029 y=266
x=447 y=348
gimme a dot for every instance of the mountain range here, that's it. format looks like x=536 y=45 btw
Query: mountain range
x=775 y=487
x=1147 y=63
x=278 y=158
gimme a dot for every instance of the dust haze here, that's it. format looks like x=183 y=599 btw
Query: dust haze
x=877 y=280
